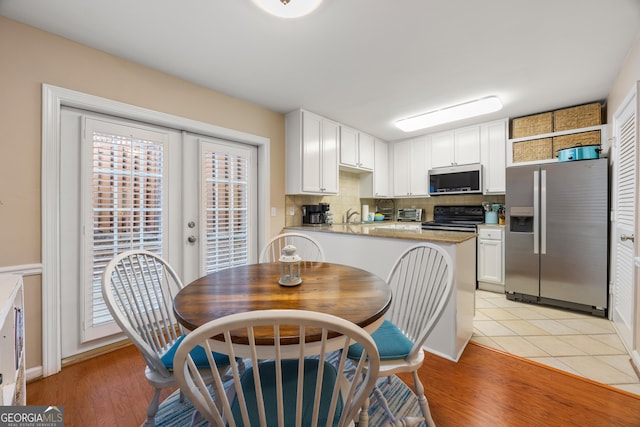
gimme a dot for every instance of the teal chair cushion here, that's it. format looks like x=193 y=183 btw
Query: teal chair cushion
x=391 y=343
x=290 y=391
x=197 y=354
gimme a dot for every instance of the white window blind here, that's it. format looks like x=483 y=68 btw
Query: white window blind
x=125 y=210
x=225 y=206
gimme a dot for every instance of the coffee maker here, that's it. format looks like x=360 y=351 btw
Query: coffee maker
x=314 y=214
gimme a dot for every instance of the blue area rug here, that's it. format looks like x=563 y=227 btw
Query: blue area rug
x=402 y=401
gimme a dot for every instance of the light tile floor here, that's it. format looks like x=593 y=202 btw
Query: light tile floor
x=579 y=343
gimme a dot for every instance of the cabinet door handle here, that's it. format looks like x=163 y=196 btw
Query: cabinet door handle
x=624 y=237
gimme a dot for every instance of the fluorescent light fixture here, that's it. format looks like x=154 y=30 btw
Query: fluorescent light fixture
x=288 y=8
x=451 y=114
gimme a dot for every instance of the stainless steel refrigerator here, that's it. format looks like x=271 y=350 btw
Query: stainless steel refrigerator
x=556 y=245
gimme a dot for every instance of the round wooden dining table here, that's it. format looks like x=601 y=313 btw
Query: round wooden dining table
x=347 y=292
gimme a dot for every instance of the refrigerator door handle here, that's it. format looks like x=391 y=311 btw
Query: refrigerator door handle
x=543 y=212
x=536 y=211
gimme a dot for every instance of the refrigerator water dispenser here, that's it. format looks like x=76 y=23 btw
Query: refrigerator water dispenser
x=521 y=219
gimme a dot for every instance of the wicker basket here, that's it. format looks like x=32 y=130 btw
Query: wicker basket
x=578 y=117
x=577 y=139
x=532 y=125
x=535 y=149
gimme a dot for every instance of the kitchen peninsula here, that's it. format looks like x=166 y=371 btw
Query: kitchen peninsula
x=374 y=247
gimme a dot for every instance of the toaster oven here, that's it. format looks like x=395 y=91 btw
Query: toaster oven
x=411 y=214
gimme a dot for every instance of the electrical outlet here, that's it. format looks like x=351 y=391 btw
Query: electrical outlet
x=273 y=211
x=292 y=211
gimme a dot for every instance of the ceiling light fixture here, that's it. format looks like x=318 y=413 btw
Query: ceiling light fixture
x=288 y=8
x=466 y=110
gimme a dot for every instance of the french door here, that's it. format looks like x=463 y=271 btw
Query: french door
x=127 y=185
x=220 y=199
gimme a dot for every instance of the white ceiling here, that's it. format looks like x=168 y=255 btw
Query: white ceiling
x=365 y=63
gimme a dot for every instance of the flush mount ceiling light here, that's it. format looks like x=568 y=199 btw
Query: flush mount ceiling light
x=288 y=8
x=451 y=114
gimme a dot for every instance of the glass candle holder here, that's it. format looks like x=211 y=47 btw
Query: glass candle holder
x=290 y=267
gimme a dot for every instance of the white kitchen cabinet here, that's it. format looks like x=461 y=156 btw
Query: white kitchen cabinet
x=356 y=149
x=12 y=344
x=311 y=152
x=491 y=258
x=366 y=150
x=493 y=148
x=411 y=168
x=441 y=148
x=376 y=184
x=457 y=147
x=466 y=144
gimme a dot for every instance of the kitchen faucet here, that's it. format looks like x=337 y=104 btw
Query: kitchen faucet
x=350 y=214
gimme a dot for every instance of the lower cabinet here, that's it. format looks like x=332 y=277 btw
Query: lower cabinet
x=377 y=255
x=12 y=345
x=491 y=258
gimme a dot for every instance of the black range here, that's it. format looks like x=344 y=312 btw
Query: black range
x=455 y=218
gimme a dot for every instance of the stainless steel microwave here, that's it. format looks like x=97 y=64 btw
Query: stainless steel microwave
x=466 y=179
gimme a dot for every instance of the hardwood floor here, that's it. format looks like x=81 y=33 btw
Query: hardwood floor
x=485 y=388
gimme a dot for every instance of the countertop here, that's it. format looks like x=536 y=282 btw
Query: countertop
x=394 y=230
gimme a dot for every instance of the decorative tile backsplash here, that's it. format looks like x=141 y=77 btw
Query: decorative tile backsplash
x=349 y=198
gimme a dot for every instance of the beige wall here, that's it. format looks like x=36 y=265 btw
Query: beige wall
x=29 y=58
x=628 y=78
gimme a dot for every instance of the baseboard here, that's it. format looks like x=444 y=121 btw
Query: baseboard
x=491 y=287
x=33 y=374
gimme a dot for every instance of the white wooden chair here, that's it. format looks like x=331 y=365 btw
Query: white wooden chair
x=295 y=383
x=307 y=247
x=138 y=288
x=421 y=281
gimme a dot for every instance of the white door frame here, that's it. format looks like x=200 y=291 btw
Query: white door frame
x=53 y=98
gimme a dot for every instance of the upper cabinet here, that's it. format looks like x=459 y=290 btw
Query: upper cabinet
x=411 y=168
x=455 y=147
x=311 y=154
x=376 y=184
x=493 y=147
x=356 y=150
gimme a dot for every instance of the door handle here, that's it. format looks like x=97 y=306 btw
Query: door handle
x=536 y=212
x=624 y=237
x=543 y=211
x=191 y=239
